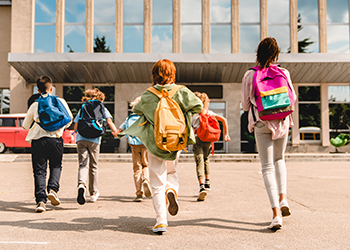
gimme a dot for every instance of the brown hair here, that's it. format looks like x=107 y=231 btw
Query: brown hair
x=204 y=98
x=163 y=72
x=44 y=83
x=91 y=94
x=267 y=52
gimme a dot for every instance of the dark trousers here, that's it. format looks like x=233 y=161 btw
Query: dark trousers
x=43 y=150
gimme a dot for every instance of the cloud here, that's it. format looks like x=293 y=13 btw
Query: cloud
x=220 y=42
x=75 y=11
x=220 y=11
x=162 y=11
x=338 y=11
x=161 y=44
x=249 y=11
x=104 y=11
x=75 y=29
x=278 y=11
x=39 y=51
x=191 y=39
x=133 y=11
x=191 y=11
x=51 y=14
x=308 y=11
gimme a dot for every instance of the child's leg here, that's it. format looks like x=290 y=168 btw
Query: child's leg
x=158 y=179
x=144 y=160
x=137 y=167
x=94 y=151
x=83 y=154
x=172 y=178
x=198 y=156
x=206 y=152
x=54 y=149
x=39 y=163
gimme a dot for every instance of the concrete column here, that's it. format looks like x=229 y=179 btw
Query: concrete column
x=322 y=22
x=324 y=115
x=119 y=26
x=147 y=40
x=60 y=26
x=235 y=26
x=293 y=15
x=177 y=26
x=59 y=90
x=89 y=38
x=205 y=26
x=295 y=117
x=263 y=19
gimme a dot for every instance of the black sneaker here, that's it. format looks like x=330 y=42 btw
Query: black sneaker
x=81 y=194
x=202 y=194
x=207 y=186
x=40 y=207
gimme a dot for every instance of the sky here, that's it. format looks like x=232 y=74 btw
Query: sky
x=191 y=29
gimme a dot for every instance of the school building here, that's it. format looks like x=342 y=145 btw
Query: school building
x=211 y=42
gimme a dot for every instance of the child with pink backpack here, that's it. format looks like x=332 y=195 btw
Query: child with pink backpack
x=268 y=94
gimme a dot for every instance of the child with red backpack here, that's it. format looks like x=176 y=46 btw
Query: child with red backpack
x=268 y=95
x=207 y=132
x=90 y=124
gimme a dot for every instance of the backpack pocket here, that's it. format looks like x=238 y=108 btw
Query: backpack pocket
x=276 y=98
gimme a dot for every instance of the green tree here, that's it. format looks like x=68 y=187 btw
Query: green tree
x=305 y=43
x=100 y=45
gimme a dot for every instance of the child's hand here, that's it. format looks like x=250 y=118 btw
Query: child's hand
x=115 y=133
x=227 y=138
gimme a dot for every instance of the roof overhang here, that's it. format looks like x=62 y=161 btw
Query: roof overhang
x=191 y=68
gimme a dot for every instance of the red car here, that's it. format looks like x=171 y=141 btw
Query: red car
x=13 y=136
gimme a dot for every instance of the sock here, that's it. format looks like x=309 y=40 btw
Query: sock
x=207 y=181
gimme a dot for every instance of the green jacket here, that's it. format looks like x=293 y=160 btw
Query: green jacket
x=146 y=107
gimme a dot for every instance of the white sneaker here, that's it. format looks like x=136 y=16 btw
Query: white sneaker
x=276 y=223
x=285 y=210
x=94 y=197
x=146 y=188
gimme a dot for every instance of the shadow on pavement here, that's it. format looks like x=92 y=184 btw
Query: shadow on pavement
x=26 y=207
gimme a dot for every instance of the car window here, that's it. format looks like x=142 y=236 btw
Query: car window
x=7 y=122
x=20 y=122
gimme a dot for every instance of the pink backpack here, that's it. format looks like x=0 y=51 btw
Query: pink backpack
x=273 y=95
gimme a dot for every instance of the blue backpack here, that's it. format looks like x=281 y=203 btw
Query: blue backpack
x=92 y=122
x=132 y=140
x=52 y=113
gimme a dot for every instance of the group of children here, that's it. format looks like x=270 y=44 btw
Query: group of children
x=152 y=134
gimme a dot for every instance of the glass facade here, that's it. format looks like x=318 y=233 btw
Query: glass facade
x=162 y=26
x=191 y=26
x=249 y=25
x=104 y=24
x=133 y=19
x=4 y=101
x=74 y=28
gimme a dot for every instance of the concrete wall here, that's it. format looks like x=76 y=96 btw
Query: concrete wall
x=5 y=45
x=22 y=41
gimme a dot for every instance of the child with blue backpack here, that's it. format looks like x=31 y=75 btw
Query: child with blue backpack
x=90 y=124
x=50 y=115
x=139 y=157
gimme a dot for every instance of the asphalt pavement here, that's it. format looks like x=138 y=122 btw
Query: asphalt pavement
x=235 y=214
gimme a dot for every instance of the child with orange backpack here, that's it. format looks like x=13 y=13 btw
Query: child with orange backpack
x=164 y=127
x=207 y=132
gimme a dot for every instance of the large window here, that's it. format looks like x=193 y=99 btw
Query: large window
x=45 y=26
x=249 y=25
x=104 y=24
x=74 y=29
x=191 y=26
x=4 y=101
x=338 y=26
x=220 y=26
x=309 y=112
x=339 y=109
x=308 y=26
x=162 y=26
x=73 y=95
x=278 y=22
x=133 y=26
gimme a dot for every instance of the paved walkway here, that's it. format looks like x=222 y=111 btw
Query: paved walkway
x=234 y=216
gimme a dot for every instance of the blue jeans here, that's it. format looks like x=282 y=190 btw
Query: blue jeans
x=43 y=150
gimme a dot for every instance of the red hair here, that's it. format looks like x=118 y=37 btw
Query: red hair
x=163 y=72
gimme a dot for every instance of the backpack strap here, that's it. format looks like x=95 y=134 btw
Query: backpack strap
x=173 y=91
x=153 y=90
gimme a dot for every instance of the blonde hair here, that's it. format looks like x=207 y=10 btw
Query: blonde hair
x=163 y=72
x=134 y=102
x=92 y=94
x=204 y=98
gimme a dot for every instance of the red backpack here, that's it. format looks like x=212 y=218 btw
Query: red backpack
x=209 y=128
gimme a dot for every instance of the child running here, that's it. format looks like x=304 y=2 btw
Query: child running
x=139 y=157
x=163 y=163
x=201 y=149
x=89 y=148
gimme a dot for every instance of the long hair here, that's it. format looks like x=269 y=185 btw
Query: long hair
x=267 y=52
x=91 y=94
x=163 y=72
x=204 y=98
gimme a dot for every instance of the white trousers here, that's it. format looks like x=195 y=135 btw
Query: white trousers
x=271 y=153
x=162 y=176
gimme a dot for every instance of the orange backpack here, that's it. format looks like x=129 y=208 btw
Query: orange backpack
x=209 y=128
x=170 y=130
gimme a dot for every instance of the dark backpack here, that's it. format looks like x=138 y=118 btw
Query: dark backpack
x=52 y=113
x=92 y=122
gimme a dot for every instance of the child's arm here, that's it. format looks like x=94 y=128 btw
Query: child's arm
x=224 y=122
x=112 y=126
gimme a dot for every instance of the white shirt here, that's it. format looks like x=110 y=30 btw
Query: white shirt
x=195 y=119
x=36 y=132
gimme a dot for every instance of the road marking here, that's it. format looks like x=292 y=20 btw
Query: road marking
x=23 y=242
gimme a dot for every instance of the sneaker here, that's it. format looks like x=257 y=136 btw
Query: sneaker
x=285 y=210
x=146 y=188
x=207 y=187
x=94 y=196
x=159 y=229
x=40 y=207
x=173 y=207
x=202 y=194
x=276 y=223
x=81 y=194
x=138 y=198
x=52 y=196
